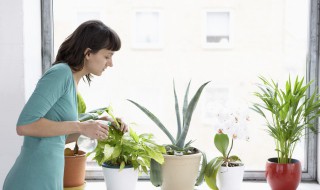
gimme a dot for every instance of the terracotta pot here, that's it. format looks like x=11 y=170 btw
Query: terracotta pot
x=74 y=170
x=180 y=172
x=283 y=176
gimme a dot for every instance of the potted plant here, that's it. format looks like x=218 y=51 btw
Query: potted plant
x=123 y=155
x=75 y=159
x=288 y=112
x=226 y=172
x=181 y=165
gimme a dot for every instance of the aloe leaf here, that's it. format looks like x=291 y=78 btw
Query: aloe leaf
x=202 y=170
x=155 y=173
x=177 y=111
x=188 y=116
x=155 y=120
x=185 y=102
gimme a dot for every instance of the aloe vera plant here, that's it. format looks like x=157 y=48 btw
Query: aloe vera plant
x=178 y=145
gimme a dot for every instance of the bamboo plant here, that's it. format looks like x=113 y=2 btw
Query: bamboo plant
x=178 y=145
x=288 y=112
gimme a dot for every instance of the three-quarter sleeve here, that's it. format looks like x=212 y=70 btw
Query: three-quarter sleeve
x=52 y=86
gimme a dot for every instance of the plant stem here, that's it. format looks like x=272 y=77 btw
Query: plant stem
x=230 y=148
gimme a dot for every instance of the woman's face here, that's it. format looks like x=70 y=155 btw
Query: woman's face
x=96 y=63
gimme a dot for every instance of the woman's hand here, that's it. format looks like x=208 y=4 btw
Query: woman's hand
x=123 y=126
x=95 y=129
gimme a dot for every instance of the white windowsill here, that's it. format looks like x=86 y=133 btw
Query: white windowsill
x=146 y=185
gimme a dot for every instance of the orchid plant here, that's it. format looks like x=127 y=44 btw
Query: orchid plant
x=231 y=124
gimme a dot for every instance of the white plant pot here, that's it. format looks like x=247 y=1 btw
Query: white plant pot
x=120 y=180
x=230 y=178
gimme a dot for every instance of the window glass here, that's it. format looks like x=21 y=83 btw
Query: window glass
x=146 y=29
x=218 y=27
x=270 y=38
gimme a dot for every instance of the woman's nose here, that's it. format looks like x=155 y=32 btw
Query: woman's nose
x=109 y=63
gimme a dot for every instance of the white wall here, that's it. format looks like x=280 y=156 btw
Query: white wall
x=20 y=61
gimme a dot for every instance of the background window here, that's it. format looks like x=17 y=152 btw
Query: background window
x=147 y=29
x=218 y=28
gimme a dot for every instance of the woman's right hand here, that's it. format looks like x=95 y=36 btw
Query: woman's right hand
x=95 y=129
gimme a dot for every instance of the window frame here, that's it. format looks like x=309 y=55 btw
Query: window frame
x=312 y=73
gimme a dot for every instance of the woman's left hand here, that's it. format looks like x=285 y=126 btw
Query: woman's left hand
x=123 y=126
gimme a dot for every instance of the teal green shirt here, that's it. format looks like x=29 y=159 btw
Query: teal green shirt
x=40 y=165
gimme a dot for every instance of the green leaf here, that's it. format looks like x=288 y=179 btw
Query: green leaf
x=234 y=159
x=185 y=102
x=202 y=170
x=122 y=165
x=108 y=151
x=155 y=120
x=134 y=135
x=81 y=104
x=177 y=111
x=221 y=142
x=211 y=171
x=155 y=173
x=187 y=119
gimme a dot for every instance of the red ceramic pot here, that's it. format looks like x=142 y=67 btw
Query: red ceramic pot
x=283 y=176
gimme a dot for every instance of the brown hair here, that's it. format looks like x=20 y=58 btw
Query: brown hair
x=91 y=34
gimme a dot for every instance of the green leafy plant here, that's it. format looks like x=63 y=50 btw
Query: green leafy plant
x=123 y=149
x=221 y=142
x=178 y=145
x=288 y=113
x=84 y=116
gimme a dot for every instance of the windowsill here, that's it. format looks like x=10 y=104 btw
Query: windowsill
x=146 y=185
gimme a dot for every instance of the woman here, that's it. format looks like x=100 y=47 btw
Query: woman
x=49 y=118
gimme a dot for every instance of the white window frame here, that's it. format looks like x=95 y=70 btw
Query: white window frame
x=208 y=45
x=136 y=45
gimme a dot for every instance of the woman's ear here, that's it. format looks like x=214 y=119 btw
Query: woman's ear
x=87 y=52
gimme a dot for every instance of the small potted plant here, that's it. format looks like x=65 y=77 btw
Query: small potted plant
x=75 y=159
x=181 y=165
x=288 y=112
x=226 y=172
x=123 y=155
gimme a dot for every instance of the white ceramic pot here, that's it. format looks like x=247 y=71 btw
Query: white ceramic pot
x=230 y=178
x=120 y=180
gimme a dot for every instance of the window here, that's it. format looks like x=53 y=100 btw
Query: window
x=218 y=29
x=147 y=29
x=272 y=40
